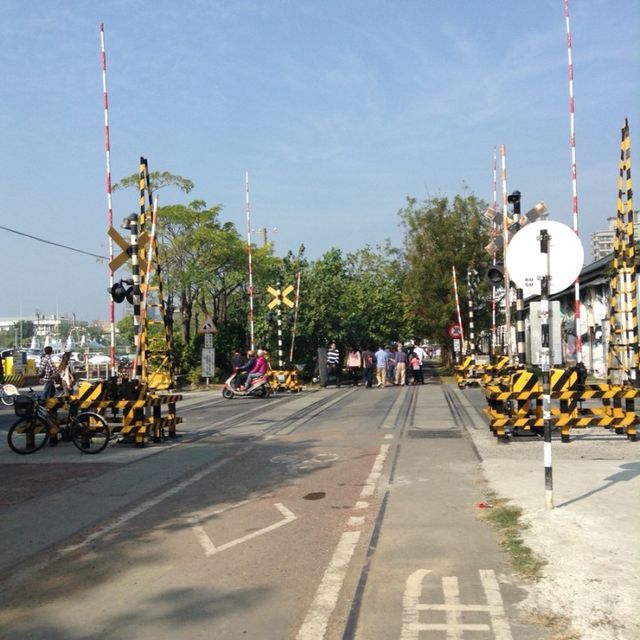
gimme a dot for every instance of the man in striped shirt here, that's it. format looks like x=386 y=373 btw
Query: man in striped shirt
x=48 y=374
x=333 y=363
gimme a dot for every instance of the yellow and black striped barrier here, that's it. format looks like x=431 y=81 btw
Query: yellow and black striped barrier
x=516 y=404
x=285 y=380
x=135 y=417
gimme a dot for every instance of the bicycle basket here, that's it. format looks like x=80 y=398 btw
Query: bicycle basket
x=24 y=406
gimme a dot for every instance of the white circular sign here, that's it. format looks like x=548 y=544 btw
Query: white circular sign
x=527 y=264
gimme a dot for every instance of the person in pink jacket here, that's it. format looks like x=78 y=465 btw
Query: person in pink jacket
x=259 y=368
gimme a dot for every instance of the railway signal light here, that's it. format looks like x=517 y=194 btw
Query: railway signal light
x=120 y=293
x=495 y=275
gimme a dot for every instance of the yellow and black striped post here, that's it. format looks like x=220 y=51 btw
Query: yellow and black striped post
x=623 y=353
x=625 y=200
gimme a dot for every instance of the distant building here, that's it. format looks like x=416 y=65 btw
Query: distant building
x=602 y=241
x=52 y=326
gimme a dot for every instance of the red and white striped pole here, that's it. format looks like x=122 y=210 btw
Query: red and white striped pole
x=107 y=148
x=574 y=177
x=494 y=232
x=295 y=317
x=248 y=211
x=505 y=244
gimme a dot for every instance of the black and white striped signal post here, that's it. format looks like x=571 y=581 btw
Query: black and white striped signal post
x=514 y=199
x=280 y=298
x=544 y=258
x=471 y=291
x=545 y=365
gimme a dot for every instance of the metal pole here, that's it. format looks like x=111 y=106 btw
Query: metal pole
x=625 y=200
x=472 y=338
x=515 y=198
x=248 y=213
x=295 y=317
x=505 y=244
x=279 y=318
x=494 y=233
x=455 y=291
x=574 y=178
x=107 y=149
x=545 y=360
x=135 y=275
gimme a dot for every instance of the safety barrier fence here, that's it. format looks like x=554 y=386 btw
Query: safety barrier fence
x=132 y=410
x=514 y=404
x=285 y=380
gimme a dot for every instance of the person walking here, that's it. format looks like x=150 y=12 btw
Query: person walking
x=368 y=367
x=391 y=365
x=354 y=360
x=416 y=367
x=333 y=363
x=48 y=374
x=66 y=373
x=401 y=366
x=381 y=367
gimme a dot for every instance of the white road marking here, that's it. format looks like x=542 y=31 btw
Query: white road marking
x=376 y=472
x=389 y=436
x=499 y=620
x=210 y=549
x=145 y=506
x=410 y=603
x=316 y=621
x=315 y=624
x=454 y=628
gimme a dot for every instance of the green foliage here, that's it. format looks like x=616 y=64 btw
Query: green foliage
x=367 y=298
x=158 y=179
x=126 y=333
x=440 y=235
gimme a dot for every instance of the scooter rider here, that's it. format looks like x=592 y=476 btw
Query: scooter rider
x=259 y=369
x=243 y=371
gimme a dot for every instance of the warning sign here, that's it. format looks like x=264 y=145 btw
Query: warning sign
x=208 y=326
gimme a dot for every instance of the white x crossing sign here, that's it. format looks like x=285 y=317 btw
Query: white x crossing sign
x=282 y=297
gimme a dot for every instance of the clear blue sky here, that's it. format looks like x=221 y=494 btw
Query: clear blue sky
x=338 y=111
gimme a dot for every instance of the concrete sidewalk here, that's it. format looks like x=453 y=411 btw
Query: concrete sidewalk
x=590 y=539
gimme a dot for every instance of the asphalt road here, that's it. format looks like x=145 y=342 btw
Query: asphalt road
x=339 y=513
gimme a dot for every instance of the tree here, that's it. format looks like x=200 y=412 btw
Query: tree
x=438 y=236
x=157 y=179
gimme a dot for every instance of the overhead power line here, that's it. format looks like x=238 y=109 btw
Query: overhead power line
x=55 y=244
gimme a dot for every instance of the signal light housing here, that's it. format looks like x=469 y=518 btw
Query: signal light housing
x=119 y=293
x=495 y=275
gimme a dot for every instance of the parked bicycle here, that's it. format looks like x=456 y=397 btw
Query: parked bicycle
x=36 y=424
x=8 y=393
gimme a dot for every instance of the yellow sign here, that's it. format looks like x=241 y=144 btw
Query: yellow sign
x=282 y=297
x=120 y=259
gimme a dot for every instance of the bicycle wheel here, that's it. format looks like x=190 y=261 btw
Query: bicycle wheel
x=28 y=435
x=8 y=394
x=89 y=432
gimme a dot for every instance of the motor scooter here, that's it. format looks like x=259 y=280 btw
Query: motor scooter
x=259 y=389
